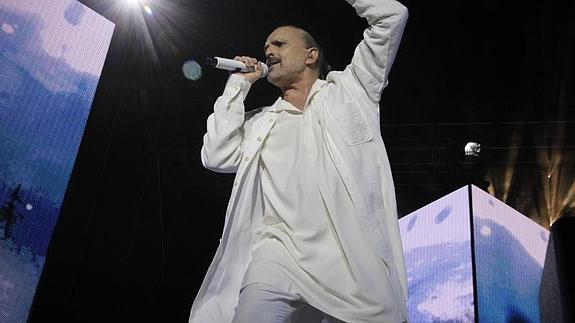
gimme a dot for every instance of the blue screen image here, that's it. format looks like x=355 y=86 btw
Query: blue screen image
x=51 y=57
x=499 y=282
x=436 y=242
x=509 y=255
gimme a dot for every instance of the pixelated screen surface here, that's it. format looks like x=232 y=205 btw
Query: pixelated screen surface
x=509 y=256
x=437 y=249
x=51 y=57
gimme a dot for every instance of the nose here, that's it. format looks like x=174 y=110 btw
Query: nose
x=269 y=56
x=270 y=52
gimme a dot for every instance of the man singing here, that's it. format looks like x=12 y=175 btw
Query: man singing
x=311 y=231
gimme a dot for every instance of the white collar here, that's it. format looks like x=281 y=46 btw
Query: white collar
x=281 y=104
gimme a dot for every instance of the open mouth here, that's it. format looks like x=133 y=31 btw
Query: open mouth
x=272 y=63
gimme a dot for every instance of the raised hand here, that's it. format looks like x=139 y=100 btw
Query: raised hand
x=252 y=77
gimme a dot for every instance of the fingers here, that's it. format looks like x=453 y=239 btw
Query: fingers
x=249 y=61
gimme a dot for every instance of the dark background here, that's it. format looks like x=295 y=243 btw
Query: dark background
x=141 y=218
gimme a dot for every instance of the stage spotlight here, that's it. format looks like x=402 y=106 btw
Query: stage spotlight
x=475 y=165
x=472 y=149
x=192 y=70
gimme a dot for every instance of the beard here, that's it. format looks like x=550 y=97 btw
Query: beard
x=285 y=73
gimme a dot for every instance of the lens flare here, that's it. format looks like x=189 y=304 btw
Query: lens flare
x=192 y=70
x=148 y=10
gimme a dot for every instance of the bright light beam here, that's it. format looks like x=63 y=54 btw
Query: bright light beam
x=132 y=2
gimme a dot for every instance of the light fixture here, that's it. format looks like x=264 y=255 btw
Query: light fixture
x=472 y=149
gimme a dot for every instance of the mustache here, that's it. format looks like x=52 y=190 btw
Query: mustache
x=271 y=61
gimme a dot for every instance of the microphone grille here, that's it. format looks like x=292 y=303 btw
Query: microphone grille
x=211 y=61
x=265 y=69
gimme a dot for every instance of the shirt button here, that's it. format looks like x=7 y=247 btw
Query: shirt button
x=246 y=158
x=237 y=87
x=271 y=120
x=259 y=138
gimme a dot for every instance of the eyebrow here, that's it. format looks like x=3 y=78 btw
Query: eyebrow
x=275 y=42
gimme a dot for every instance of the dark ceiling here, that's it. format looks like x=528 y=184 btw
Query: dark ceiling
x=142 y=218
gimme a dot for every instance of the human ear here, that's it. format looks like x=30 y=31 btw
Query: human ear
x=312 y=55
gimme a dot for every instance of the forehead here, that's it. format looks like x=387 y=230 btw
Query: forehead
x=286 y=33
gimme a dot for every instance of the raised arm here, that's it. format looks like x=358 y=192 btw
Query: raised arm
x=374 y=56
x=221 y=151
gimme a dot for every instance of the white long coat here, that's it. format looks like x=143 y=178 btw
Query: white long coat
x=347 y=107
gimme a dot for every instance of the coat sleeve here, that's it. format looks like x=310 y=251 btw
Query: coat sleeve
x=221 y=151
x=375 y=54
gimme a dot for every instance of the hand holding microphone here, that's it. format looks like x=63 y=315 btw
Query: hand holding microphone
x=249 y=67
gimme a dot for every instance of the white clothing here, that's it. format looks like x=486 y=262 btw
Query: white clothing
x=266 y=304
x=297 y=248
x=346 y=106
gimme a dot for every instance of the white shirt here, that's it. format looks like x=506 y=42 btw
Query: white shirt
x=297 y=248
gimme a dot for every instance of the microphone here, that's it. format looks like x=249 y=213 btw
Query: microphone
x=233 y=65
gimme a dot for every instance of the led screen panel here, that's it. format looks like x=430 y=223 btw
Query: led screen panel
x=51 y=56
x=509 y=256
x=437 y=247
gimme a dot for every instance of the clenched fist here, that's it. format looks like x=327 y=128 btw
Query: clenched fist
x=252 y=77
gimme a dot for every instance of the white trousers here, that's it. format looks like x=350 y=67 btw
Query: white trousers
x=263 y=303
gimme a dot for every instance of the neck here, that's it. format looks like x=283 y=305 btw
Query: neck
x=297 y=92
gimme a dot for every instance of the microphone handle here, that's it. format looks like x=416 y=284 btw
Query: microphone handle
x=233 y=65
